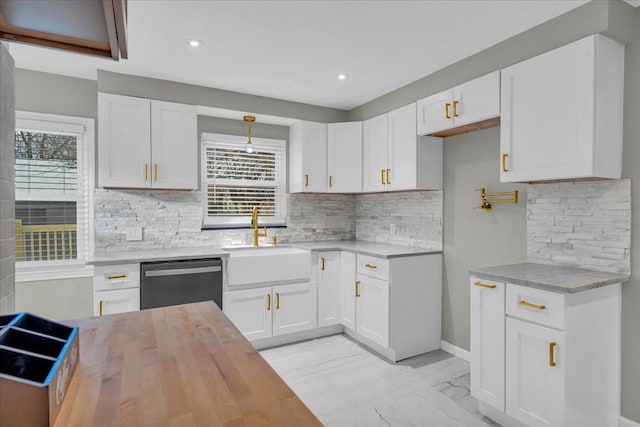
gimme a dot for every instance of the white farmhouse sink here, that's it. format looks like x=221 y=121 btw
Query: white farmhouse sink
x=265 y=264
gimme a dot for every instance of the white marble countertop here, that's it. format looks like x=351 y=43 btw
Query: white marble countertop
x=383 y=250
x=141 y=255
x=549 y=277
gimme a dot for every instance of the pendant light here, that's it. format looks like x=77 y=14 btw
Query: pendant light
x=249 y=147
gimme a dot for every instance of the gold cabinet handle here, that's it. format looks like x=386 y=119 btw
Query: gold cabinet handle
x=117 y=276
x=382 y=176
x=528 y=304
x=455 y=108
x=322 y=263
x=306 y=180
x=504 y=163
x=155 y=171
x=268 y=302
x=484 y=285
x=277 y=301
x=446 y=111
x=357 y=289
x=330 y=181
x=146 y=171
x=552 y=348
x=100 y=307
x=388 y=176
x=371 y=266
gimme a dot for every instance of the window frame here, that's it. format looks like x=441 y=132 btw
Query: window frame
x=243 y=221
x=84 y=127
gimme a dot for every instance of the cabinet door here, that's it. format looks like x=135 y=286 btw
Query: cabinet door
x=374 y=150
x=477 y=100
x=314 y=157
x=372 y=310
x=124 y=141
x=547 y=121
x=295 y=308
x=348 y=289
x=174 y=145
x=402 y=149
x=535 y=389
x=487 y=341
x=250 y=311
x=328 y=288
x=116 y=301
x=435 y=112
x=344 y=147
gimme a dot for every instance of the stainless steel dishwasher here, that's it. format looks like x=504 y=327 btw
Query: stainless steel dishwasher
x=180 y=282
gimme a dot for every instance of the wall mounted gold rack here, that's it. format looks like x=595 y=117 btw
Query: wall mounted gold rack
x=503 y=197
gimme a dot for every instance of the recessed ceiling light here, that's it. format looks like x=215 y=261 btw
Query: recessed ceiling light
x=194 y=42
x=343 y=76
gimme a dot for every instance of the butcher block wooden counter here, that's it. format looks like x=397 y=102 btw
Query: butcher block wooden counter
x=175 y=366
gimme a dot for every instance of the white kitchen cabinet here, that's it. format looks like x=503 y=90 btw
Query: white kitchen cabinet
x=535 y=374
x=295 y=308
x=348 y=289
x=308 y=157
x=537 y=355
x=116 y=301
x=344 y=151
x=146 y=143
x=470 y=102
x=174 y=145
x=390 y=297
x=328 y=279
x=250 y=311
x=487 y=341
x=116 y=288
x=562 y=113
x=372 y=309
x=394 y=158
x=271 y=311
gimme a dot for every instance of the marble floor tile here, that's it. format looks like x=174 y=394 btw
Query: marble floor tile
x=345 y=384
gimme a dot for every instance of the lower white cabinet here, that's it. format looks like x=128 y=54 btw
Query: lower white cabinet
x=546 y=358
x=327 y=266
x=116 y=289
x=271 y=311
x=536 y=374
x=116 y=301
x=348 y=289
x=372 y=309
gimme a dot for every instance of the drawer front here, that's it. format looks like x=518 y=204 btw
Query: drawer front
x=373 y=267
x=121 y=276
x=536 y=305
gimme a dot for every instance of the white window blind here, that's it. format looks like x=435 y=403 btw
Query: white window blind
x=235 y=181
x=54 y=185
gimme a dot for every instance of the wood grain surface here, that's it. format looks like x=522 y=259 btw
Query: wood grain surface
x=175 y=366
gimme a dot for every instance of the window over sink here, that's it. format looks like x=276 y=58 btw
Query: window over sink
x=235 y=181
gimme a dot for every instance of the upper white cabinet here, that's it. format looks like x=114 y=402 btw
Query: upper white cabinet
x=344 y=150
x=562 y=113
x=470 y=102
x=394 y=158
x=308 y=157
x=146 y=143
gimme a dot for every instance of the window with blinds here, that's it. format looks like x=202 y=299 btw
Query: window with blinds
x=53 y=188
x=235 y=181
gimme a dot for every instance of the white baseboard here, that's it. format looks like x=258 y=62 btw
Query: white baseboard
x=624 y=422
x=457 y=351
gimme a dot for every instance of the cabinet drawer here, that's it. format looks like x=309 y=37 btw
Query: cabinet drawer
x=536 y=305
x=373 y=267
x=120 y=276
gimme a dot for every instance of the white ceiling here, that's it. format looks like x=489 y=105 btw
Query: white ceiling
x=294 y=50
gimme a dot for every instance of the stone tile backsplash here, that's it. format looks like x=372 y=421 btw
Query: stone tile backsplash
x=416 y=215
x=173 y=219
x=584 y=224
